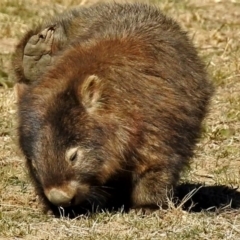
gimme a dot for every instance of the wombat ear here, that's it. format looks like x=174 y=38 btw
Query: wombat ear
x=20 y=89
x=91 y=91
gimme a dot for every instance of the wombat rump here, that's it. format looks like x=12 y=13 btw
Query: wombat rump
x=114 y=112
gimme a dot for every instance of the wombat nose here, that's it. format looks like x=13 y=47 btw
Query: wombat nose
x=59 y=197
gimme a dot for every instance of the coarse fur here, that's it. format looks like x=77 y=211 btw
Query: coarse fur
x=114 y=119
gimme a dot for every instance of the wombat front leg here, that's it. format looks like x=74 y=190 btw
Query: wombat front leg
x=151 y=189
x=38 y=53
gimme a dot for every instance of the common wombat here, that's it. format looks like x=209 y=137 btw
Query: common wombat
x=115 y=118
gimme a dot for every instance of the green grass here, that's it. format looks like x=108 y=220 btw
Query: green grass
x=214 y=28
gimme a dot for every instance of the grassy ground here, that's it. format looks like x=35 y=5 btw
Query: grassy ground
x=214 y=28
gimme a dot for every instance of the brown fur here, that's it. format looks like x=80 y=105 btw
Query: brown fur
x=116 y=117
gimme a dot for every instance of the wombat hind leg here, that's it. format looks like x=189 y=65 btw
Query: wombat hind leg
x=37 y=54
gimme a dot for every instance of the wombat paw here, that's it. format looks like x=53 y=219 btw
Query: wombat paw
x=37 y=53
x=40 y=44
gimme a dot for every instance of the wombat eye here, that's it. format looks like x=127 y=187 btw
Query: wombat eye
x=73 y=157
x=71 y=154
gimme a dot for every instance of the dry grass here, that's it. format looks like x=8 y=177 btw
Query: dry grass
x=214 y=27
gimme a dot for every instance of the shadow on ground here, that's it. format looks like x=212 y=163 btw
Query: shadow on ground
x=198 y=197
x=188 y=196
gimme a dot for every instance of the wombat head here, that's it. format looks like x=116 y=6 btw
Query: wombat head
x=72 y=146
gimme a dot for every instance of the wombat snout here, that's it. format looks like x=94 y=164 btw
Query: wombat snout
x=64 y=195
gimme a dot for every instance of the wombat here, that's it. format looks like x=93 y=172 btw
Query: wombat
x=114 y=119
